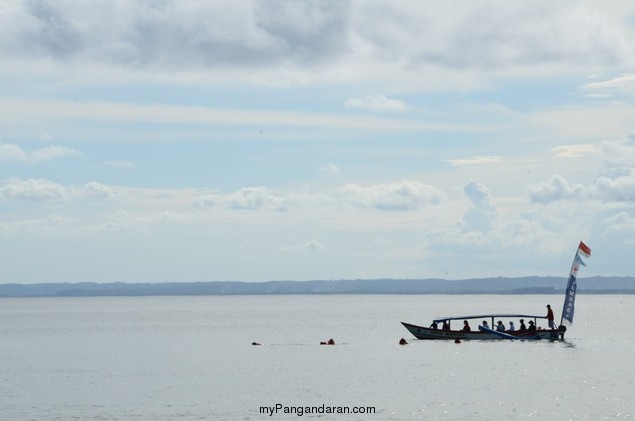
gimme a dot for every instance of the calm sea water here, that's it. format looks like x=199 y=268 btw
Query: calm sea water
x=191 y=358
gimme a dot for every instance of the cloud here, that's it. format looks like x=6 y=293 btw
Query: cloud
x=311 y=246
x=119 y=164
x=40 y=190
x=619 y=153
x=94 y=190
x=574 y=151
x=618 y=223
x=376 y=103
x=11 y=152
x=616 y=184
x=15 y=110
x=624 y=84
x=493 y=35
x=476 y=160
x=480 y=216
x=175 y=34
x=399 y=196
x=613 y=185
x=256 y=198
x=301 y=40
x=330 y=169
x=52 y=152
x=32 y=190
x=557 y=188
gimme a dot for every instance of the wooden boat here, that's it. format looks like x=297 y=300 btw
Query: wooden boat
x=482 y=332
x=486 y=333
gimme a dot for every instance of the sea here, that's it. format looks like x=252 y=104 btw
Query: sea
x=193 y=358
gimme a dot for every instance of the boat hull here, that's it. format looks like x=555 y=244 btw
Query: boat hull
x=427 y=333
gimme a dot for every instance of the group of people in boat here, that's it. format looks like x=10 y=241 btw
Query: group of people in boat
x=500 y=326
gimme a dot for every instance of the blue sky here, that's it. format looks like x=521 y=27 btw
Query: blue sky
x=262 y=140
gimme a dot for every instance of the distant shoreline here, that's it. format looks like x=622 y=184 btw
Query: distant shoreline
x=500 y=285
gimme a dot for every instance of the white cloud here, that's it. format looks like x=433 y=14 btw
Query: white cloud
x=574 y=151
x=52 y=152
x=289 y=41
x=620 y=223
x=94 y=190
x=619 y=153
x=377 y=103
x=616 y=184
x=557 y=188
x=11 y=152
x=256 y=198
x=585 y=124
x=618 y=85
x=399 y=196
x=311 y=246
x=480 y=216
x=330 y=169
x=22 y=111
x=32 y=189
x=40 y=190
x=119 y=164
x=476 y=160
x=613 y=185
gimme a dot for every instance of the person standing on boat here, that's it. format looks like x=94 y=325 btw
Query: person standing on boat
x=466 y=326
x=552 y=324
x=522 y=327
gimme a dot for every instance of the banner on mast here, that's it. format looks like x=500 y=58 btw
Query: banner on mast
x=568 y=308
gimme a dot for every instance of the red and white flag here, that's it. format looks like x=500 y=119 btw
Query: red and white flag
x=584 y=250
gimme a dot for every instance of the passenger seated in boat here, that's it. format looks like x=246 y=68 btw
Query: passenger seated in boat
x=466 y=326
x=511 y=327
x=433 y=326
x=522 y=326
x=500 y=326
x=532 y=326
x=446 y=325
x=484 y=324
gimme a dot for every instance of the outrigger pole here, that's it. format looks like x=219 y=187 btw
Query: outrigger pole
x=569 y=295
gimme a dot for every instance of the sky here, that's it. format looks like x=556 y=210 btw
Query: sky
x=185 y=141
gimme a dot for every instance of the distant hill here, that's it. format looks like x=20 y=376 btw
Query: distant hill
x=525 y=285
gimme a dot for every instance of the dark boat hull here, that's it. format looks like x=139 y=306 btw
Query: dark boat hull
x=427 y=333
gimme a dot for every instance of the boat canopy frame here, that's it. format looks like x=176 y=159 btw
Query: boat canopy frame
x=490 y=316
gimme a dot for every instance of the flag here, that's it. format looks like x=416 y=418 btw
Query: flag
x=584 y=249
x=575 y=267
x=568 y=309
